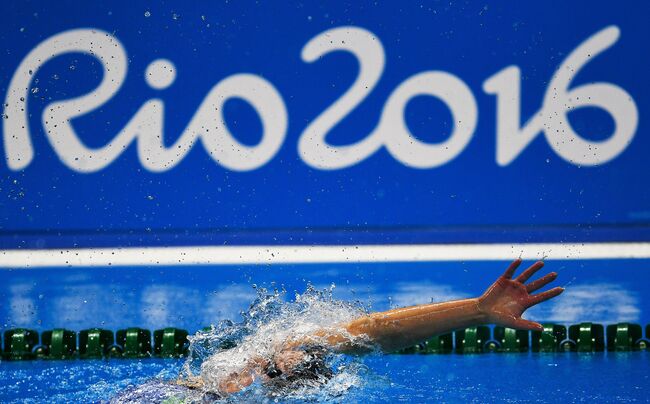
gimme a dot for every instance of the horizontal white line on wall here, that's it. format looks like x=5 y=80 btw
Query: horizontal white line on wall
x=228 y=255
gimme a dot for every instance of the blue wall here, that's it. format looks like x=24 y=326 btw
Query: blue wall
x=538 y=196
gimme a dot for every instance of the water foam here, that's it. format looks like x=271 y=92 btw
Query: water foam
x=270 y=321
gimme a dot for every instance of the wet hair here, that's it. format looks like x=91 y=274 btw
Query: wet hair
x=313 y=370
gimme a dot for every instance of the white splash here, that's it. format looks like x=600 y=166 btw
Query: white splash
x=269 y=322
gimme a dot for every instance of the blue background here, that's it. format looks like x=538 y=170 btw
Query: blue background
x=539 y=197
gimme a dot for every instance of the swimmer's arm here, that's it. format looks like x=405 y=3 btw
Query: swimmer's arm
x=503 y=304
x=235 y=381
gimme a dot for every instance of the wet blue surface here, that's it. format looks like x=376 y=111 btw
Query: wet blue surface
x=603 y=377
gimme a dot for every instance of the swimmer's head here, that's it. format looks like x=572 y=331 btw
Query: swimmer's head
x=287 y=361
x=291 y=368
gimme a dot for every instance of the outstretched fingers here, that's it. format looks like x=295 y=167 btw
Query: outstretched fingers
x=541 y=282
x=512 y=268
x=529 y=272
x=549 y=294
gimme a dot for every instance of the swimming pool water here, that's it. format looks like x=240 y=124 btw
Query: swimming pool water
x=190 y=299
x=603 y=291
x=486 y=378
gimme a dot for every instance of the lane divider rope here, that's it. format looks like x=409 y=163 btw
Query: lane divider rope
x=137 y=343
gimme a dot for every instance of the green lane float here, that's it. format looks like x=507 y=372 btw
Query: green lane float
x=41 y=352
x=135 y=342
x=623 y=336
x=440 y=344
x=492 y=346
x=59 y=343
x=588 y=337
x=170 y=342
x=115 y=351
x=471 y=340
x=568 y=346
x=20 y=343
x=98 y=343
x=511 y=340
x=415 y=349
x=95 y=343
x=644 y=344
x=549 y=339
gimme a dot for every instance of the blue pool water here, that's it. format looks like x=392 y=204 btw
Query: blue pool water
x=160 y=297
x=604 y=291
x=603 y=377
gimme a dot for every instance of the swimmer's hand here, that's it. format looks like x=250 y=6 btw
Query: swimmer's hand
x=243 y=378
x=232 y=383
x=506 y=300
